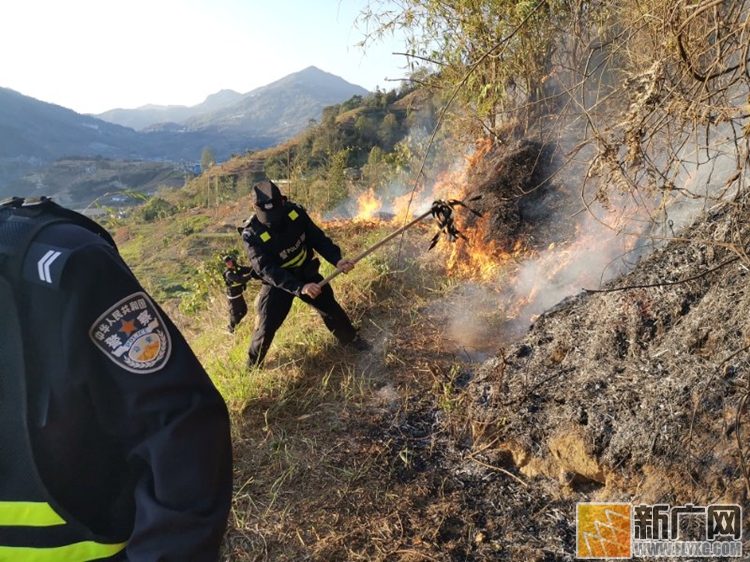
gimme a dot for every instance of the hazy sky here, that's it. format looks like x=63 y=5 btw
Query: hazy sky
x=95 y=55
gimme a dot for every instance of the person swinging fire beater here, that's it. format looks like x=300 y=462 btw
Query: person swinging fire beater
x=236 y=278
x=281 y=240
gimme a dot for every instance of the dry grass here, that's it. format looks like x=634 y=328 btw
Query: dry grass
x=314 y=470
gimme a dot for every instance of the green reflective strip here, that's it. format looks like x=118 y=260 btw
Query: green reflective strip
x=78 y=552
x=265 y=236
x=294 y=262
x=293 y=214
x=28 y=514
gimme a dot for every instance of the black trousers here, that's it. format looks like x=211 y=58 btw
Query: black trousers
x=272 y=307
x=237 y=310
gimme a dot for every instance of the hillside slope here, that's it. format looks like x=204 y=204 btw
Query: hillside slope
x=623 y=396
x=416 y=452
x=630 y=395
x=35 y=130
x=428 y=449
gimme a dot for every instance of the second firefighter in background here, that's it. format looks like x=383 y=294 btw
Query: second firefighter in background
x=236 y=278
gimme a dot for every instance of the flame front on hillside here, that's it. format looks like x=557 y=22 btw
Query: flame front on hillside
x=510 y=281
x=478 y=258
x=368 y=205
x=507 y=280
x=398 y=208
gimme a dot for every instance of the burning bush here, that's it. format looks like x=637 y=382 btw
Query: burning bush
x=519 y=197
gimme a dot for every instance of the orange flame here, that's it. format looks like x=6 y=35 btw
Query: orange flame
x=479 y=260
x=368 y=205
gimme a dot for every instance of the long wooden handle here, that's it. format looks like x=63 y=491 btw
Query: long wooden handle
x=377 y=245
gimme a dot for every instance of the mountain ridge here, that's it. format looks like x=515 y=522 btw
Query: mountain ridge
x=311 y=84
x=34 y=134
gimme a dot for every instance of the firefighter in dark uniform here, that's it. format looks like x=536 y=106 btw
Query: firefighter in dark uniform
x=281 y=240
x=115 y=443
x=236 y=278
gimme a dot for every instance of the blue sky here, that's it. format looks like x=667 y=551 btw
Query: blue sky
x=95 y=55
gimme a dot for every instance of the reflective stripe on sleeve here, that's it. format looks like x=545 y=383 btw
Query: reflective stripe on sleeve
x=28 y=514
x=79 y=552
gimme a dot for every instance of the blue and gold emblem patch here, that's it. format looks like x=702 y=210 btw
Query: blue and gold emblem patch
x=133 y=335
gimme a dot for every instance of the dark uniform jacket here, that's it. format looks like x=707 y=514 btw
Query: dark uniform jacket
x=284 y=256
x=236 y=279
x=129 y=433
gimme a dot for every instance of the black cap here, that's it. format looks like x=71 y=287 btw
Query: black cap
x=228 y=258
x=269 y=202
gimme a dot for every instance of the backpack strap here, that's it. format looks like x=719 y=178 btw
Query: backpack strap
x=22 y=219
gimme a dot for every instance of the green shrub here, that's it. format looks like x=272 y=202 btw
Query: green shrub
x=156 y=208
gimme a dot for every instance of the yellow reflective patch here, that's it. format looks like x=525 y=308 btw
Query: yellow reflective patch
x=81 y=552
x=293 y=214
x=265 y=236
x=28 y=514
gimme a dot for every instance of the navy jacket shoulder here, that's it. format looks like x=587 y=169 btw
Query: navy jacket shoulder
x=127 y=426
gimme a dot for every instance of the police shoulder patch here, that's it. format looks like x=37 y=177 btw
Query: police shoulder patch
x=133 y=335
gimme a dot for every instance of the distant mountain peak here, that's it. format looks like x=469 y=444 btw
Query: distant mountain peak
x=153 y=107
x=220 y=99
x=314 y=71
x=314 y=77
x=222 y=94
x=313 y=68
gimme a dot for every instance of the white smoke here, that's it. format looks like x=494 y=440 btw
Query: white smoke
x=608 y=243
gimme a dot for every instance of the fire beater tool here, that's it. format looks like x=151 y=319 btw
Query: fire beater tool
x=441 y=210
